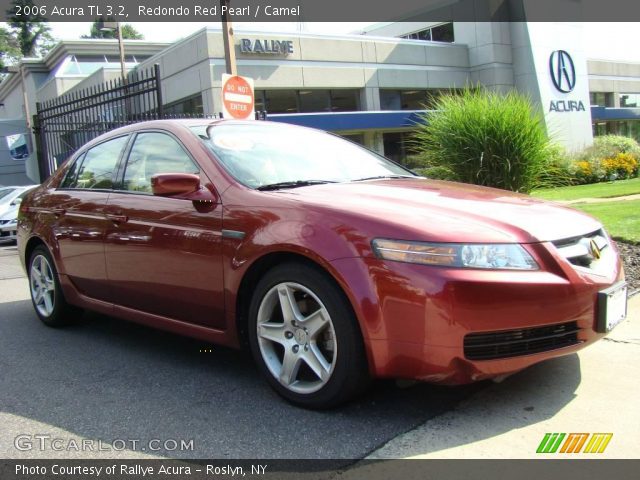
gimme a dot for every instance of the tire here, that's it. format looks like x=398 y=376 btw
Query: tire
x=309 y=348
x=46 y=293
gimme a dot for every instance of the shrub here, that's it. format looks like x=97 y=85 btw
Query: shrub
x=437 y=173
x=486 y=138
x=611 y=157
x=623 y=165
x=618 y=144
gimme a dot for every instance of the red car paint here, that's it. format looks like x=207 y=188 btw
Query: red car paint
x=161 y=261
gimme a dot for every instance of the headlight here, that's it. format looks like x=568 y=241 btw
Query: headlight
x=498 y=256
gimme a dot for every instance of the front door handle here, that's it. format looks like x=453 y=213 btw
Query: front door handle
x=58 y=212
x=118 y=218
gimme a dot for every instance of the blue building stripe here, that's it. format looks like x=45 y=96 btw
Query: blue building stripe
x=406 y=119
x=342 y=121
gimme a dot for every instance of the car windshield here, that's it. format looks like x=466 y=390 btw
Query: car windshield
x=283 y=156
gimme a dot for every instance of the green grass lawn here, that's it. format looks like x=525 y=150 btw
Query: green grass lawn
x=594 y=190
x=621 y=219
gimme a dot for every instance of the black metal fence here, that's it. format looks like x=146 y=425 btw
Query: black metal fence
x=64 y=124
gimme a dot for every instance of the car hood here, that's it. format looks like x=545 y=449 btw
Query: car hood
x=448 y=211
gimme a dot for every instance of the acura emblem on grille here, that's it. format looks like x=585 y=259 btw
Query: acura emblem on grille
x=595 y=249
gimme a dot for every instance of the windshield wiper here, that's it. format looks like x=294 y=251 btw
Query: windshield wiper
x=381 y=177
x=292 y=184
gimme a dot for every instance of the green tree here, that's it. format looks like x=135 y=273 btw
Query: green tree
x=128 y=32
x=9 y=48
x=32 y=31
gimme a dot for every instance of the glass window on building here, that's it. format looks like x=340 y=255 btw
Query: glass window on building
x=354 y=137
x=390 y=100
x=314 y=101
x=259 y=100
x=442 y=33
x=408 y=99
x=307 y=101
x=397 y=146
x=437 y=33
x=186 y=106
x=627 y=128
x=281 y=101
x=601 y=99
x=630 y=100
x=88 y=64
x=345 y=100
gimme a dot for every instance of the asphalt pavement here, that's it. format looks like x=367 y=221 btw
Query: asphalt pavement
x=134 y=392
x=124 y=384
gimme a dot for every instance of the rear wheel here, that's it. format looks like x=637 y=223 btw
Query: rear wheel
x=305 y=338
x=46 y=294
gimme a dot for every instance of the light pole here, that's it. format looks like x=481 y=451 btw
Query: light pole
x=227 y=38
x=117 y=27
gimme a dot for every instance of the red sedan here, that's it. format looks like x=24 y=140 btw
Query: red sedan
x=334 y=265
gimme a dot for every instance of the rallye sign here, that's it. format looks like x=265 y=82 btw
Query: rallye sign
x=270 y=47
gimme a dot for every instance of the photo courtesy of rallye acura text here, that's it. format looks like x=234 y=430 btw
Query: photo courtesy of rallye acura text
x=334 y=265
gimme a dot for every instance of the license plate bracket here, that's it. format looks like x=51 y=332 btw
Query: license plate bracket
x=612 y=307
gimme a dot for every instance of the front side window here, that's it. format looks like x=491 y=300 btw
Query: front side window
x=95 y=170
x=155 y=153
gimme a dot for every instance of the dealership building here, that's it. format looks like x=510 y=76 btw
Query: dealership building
x=369 y=86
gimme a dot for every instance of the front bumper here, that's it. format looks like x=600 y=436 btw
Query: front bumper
x=415 y=318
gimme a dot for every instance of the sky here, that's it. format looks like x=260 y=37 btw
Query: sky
x=610 y=41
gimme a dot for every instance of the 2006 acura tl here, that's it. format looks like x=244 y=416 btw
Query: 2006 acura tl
x=334 y=264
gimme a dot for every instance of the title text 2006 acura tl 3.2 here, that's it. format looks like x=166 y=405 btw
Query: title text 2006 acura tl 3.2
x=333 y=264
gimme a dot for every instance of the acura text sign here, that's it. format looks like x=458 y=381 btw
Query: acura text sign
x=237 y=97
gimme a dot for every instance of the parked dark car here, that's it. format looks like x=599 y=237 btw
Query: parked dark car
x=333 y=264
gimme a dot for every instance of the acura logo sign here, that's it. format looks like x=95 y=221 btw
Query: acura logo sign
x=563 y=72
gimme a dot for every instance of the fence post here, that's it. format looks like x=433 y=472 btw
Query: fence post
x=156 y=70
x=38 y=132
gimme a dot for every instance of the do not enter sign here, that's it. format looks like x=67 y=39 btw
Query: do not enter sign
x=237 y=97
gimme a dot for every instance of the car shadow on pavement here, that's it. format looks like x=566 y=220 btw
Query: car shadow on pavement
x=107 y=379
x=529 y=397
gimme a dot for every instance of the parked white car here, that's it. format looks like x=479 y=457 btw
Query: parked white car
x=10 y=199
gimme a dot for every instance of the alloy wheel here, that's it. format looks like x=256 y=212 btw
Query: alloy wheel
x=42 y=285
x=296 y=337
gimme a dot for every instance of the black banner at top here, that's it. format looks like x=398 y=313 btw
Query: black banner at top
x=323 y=10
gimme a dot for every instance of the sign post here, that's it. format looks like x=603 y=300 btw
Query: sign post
x=237 y=97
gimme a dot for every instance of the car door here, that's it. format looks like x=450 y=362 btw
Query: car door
x=79 y=219
x=164 y=254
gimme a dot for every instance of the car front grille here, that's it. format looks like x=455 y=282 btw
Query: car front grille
x=524 y=341
x=591 y=251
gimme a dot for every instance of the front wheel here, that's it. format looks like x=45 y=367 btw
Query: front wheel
x=305 y=338
x=46 y=293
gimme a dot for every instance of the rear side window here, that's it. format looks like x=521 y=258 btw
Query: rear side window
x=155 y=153
x=95 y=170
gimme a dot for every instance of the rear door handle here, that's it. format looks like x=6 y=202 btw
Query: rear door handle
x=117 y=218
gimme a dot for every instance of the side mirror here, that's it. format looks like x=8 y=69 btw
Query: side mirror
x=169 y=184
x=17 y=201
